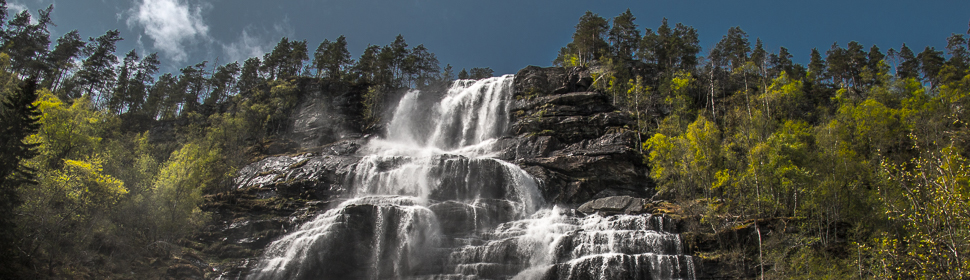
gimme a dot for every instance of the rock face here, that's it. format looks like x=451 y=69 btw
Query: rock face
x=272 y=196
x=573 y=139
x=326 y=112
x=568 y=137
x=615 y=205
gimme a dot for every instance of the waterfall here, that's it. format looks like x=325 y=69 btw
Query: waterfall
x=430 y=202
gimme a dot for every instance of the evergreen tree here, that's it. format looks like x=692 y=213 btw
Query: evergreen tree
x=248 y=77
x=120 y=96
x=875 y=56
x=332 y=57
x=222 y=82
x=908 y=64
x=366 y=69
x=856 y=61
x=295 y=58
x=421 y=66
x=480 y=73
x=588 y=38
x=783 y=62
x=624 y=36
x=192 y=87
x=141 y=81
x=931 y=62
x=816 y=66
x=18 y=119
x=61 y=59
x=27 y=42
x=838 y=63
x=671 y=49
x=759 y=56
x=956 y=47
x=285 y=60
x=447 y=74
x=732 y=50
x=97 y=72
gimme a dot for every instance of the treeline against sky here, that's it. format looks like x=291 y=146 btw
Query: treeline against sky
x=106 y=160
x=861 y=154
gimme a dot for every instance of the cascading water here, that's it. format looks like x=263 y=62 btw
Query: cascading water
x=430 y=203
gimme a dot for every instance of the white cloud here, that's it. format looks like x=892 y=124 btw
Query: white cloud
x=16 y=8
x=172 y=24
x=247 y=46
x=257 y=40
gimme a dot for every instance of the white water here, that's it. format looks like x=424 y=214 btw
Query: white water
x=430 y=202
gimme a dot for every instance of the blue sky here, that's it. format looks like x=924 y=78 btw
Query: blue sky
x=503 y=35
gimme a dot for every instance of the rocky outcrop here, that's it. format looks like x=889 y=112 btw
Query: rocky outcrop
x=573 y=139
x=562 y=132
x=271 y=197
x=615 y=205
x=326 y=112
x=316 y=175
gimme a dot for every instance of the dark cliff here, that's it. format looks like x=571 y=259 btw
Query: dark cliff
x=573 y=139
x=565 y=134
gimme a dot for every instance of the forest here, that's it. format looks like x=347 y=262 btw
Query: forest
x=862 y=153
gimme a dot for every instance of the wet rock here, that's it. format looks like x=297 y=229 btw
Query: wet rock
x=609 y=163
x=573 y=139
x=615 y=205
x=619 y=266
x=326 y=112
x=185 y=271
x=534 y=80
x=387 y=238
x=308 y=175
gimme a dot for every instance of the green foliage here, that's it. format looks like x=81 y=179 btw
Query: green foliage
x=480 y=73
x=332 y=58
x=374 y=106
x=930 y=198
x=177 y=191
x=18 y=120
x=588 y=39
x=67 y=131
x=687 y=164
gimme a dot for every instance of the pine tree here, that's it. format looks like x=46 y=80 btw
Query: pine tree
x=97 y=72
x=733 y=49
x=480 y=73
x=624 y=36
x=816 y=66
x=931 y=62
x=27 y=40
x=18 y=119
x=588 y=38
x=670 y=48
x=248 y=77
x=61 y=59
x=908 y=64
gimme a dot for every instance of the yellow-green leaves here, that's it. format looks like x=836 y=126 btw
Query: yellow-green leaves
x=686 y=164
x=928 y=198
x=67 y=130
x=87 y=185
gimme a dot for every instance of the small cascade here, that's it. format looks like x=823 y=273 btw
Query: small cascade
x=561 y=244
x=430 y=202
